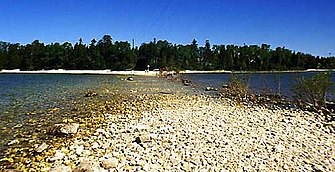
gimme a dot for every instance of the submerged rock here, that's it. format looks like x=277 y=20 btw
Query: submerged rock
x=130 y=79
x=211 y=89
x=90 y=94
x=186 y=82
x=13 y=142
x=66 y=129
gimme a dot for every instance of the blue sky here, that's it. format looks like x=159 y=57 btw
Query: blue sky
x=301 y=25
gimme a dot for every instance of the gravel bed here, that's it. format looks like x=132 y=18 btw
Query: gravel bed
x=200 y=133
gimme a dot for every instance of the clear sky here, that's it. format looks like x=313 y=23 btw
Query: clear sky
x=301 y=25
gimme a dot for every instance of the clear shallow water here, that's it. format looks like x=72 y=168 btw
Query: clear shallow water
x=21 y=94
x=26 y=92
x=26 y=99
x=259 y=82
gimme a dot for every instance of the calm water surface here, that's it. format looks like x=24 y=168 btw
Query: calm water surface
x=21 y=94
x=259 y=82
x=39 y=91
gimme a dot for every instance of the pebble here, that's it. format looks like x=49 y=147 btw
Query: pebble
x=58 y=156
x=61 y=169
x=109 y=163
x=65 y=129
x=79 y=150
x=146 y=167
x=85 y=165
x=15 y=141
x=42 y=147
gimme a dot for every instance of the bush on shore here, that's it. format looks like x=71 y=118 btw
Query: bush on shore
x=237 y=88
x=238 y=84
x=312 y=91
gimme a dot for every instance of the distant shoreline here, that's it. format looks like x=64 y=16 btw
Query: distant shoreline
x=238 y=72
x=148 y=73
x=80 y=72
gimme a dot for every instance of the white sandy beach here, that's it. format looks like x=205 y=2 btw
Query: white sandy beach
x=94 y=72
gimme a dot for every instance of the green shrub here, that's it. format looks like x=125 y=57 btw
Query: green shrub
x=238 y=84
x=312 y=90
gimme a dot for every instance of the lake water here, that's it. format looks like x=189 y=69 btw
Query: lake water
x=21 y=94
x=28 y=92
x=26 y=99
x=259 y=82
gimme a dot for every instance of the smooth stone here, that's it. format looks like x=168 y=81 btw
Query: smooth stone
x=87 y=153
x=145 y=138
x=79 y=150
x=280 y=148
x=154 y=167
x=58 y=155
x=186 y=166
x=85 y=165
x=109 y=163
x=130 y=78
x=66 y=128
x=42 y=147
x=146 y=167
x=140 y=127
x=95 y=145
x=61 y=169
x=13 y=142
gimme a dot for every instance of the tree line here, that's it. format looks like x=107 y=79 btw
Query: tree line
x=161 y=54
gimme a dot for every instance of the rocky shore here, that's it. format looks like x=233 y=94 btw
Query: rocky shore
x=174 y=128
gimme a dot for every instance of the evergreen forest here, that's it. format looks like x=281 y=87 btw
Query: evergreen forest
x=159 y=54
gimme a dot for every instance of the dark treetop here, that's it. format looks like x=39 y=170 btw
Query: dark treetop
x=118 y=55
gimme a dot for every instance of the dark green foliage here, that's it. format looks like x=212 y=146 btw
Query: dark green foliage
x=312 y=90
x=119 y=55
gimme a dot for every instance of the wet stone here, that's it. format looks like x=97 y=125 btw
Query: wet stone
x=42 y=147
x=65 y=129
